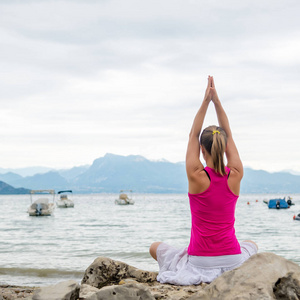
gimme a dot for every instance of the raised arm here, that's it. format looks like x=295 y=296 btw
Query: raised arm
x=193 y=163
x=233 y=159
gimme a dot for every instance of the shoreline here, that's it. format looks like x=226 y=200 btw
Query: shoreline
x=106 y=278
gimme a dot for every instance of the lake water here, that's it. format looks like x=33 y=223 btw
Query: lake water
x=37 y=251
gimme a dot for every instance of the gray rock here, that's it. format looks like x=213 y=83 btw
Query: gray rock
x=263 y=276
x=288 y=287
x=255 y=279
x=66 y=290
x=172 y=292
x=86 y=291
x=105 y=271
x=129 y=291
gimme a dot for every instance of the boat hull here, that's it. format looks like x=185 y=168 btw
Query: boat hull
x=64 y=203
x=124 y=202
x=278 y=204
x=47 y=211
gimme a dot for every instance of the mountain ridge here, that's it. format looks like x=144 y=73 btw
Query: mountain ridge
x=112 y=173
x=6 y=189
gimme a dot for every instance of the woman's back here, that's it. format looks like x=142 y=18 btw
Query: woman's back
x=212 y=232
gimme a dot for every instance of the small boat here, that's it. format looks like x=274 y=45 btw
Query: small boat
x=41 y=206
x=297 y=217
x=289 y=201
x=64 y=201
x=124 y=199
x=279 y=203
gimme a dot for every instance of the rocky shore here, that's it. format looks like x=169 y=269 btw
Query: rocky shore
x=263 y=276
x=11 y=292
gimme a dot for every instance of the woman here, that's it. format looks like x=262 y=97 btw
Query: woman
x=213 y=193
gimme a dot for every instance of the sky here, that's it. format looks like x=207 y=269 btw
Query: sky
x=82 y=78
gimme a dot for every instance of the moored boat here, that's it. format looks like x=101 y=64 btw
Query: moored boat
x=64 y=201
x=124 y=199
x=297 y=217
x=279 y=203
x=42 y=206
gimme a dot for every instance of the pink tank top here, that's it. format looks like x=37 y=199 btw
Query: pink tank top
x=213 y=232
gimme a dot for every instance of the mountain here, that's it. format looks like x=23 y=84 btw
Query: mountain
x=70 y=174
x=28 y=171
x=10 y=177
x=6 y=189
x=49 y=180
x=259 y=181
x=112 y=173
x=291 y=172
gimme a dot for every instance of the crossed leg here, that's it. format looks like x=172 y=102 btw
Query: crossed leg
x=153 y=248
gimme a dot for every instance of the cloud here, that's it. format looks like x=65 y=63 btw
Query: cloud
x=82 y=78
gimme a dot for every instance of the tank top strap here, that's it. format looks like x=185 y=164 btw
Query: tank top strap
x=207 y=174
x=211 y=173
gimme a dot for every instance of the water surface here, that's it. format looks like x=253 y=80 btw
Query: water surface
x=45 y=250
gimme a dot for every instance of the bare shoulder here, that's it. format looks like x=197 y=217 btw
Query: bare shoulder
x=198 y=182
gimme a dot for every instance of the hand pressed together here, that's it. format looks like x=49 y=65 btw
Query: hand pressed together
x=211 y=93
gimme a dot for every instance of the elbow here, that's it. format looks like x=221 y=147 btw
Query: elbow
x=240 y=170
x=242 y=173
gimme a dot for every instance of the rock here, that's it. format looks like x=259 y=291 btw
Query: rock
x=263 y=276
x=288 y=287
x=105 y=271
x=87 y=291
x=127 y=291
x=255 y=279
x=11 y=292
x=127 y=280
x=66 y=290
x=174 y=292
x=108 y=276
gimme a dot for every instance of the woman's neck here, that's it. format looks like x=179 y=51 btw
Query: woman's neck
x=210 y=163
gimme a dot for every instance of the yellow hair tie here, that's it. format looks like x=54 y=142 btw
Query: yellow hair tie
x=216 y=131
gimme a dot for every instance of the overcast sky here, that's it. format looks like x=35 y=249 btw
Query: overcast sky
x=83 y=78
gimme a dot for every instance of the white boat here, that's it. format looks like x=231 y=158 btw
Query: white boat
x=124 y=199
x=297 y=217
x=64 y=201
x=42 y=206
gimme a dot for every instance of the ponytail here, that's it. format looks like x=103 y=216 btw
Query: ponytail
x=214 y=140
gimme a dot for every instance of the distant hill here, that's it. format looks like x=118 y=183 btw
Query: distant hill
x=11 y=178
x=70 y=174
x=112 y=173
x=259 y=181
x=28 y=171
x=6 y=189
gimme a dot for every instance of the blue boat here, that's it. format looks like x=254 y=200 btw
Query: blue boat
x=278 y=203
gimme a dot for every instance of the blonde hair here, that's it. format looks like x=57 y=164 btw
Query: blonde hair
x=214 y=140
